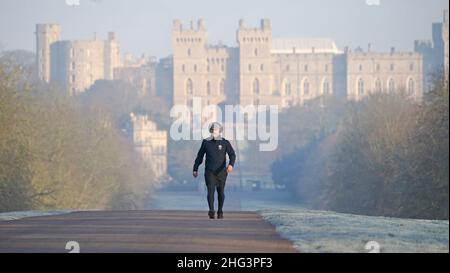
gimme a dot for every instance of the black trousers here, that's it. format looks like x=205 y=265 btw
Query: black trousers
x=215 y=182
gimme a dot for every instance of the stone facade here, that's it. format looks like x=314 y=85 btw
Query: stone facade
x=74 y=65
x=372 y=72
x=200 y=69
x=151 y=144
x=434 y=51
x=284 y=72
x=46 y=35
x=140 y=74
x=445 y=39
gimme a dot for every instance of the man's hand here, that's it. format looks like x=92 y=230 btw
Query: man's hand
x=195 y=173
x=229 y=169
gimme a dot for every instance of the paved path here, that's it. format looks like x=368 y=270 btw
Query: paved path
x=142 y=231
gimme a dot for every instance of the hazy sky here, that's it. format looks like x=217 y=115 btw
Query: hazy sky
x=143 y=26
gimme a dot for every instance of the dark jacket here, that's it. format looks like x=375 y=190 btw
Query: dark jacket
x=215 y=150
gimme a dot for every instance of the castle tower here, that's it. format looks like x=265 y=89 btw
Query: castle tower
x=255 y=63
x=445 y=39
x=46 y=34
x=188 y=61
x=112 y=55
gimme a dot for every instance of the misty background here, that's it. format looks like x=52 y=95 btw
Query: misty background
x=386 y=155
x=144 y=26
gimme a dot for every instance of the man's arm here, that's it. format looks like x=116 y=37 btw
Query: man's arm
x=231 y=154
x=200 y=155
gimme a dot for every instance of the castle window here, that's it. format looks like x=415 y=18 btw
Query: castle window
x=411 y=87
x=287 y=88
x=306 y=67
x=392 y=67
x=189 y=87
x=360 y=67
x=378 y=87
x=326 y=87
x=256 y=86
x=306 y=87
x=262 y=67
x=73 y=65
x=222 y=87
x=326 y=68
x=222 y=67
x=411 y=67
x=195 y=68
x=378 y=67
x=288 y=68
x=249 y=67
x=256 y=52
x=189 y=52
x=391 y=86
x=183 y=68
x=208 y=88
x=361 y=87
x=208 y=68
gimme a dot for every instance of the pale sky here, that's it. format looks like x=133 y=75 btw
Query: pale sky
x=143 y=26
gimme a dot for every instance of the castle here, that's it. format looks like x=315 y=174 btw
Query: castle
x=260 y=70
x=285 y=72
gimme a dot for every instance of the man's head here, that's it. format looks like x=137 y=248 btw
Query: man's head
x=215 y=129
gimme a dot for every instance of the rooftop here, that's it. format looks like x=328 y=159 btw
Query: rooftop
x=304 y=45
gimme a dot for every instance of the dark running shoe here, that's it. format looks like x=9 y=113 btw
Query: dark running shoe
x=220 y=215
x=211 y=214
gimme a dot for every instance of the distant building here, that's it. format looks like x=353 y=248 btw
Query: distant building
x=373 y=72
x=140 y=74
x=74 y=65
x=284 y=72
x=445 y=39
x=434 y=51
x=151 y=144
x=46 y=35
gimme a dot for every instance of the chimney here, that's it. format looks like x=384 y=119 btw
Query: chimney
x=200 y=24
x=241 y=24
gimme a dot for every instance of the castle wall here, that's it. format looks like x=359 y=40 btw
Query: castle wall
x=46 y=35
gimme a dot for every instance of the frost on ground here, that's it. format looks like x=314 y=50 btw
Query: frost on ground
x=6 y=216
x=324 y=231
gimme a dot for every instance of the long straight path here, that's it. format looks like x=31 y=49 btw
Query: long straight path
x=142 y=231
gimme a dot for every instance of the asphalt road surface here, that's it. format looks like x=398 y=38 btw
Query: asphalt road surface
x=142 y=231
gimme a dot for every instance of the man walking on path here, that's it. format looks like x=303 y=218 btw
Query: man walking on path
x=216 y=171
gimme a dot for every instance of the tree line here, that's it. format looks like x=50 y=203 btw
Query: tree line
x=58 y=152
x=384 y=155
